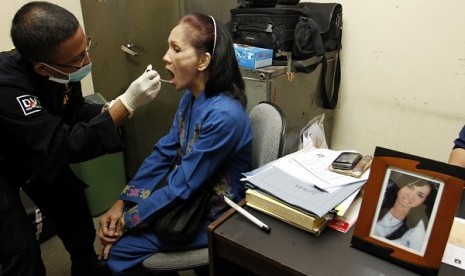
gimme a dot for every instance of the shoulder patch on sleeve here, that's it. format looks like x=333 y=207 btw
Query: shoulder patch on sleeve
x=29 y=104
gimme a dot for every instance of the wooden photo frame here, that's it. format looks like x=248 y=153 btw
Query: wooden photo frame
x=408 y=207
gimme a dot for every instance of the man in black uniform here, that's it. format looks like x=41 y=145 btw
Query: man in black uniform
x=45 y=126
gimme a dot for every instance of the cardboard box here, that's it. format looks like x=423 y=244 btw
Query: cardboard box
x=253 y=57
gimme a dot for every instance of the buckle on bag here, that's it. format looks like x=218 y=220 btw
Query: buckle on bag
x=269 y=27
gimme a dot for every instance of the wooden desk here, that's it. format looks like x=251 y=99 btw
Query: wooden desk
x=291 y=251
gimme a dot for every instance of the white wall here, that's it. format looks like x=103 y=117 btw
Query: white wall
x=8 y=10
x=403 y=76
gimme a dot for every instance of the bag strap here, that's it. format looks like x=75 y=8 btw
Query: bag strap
x=327 y=101
x=174 y=163
x=309 y=30
x=305 y=67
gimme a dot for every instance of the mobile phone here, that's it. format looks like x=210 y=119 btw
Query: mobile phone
x=346 y=160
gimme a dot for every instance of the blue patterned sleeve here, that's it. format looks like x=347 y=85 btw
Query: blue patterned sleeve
x=219 y=132
x=154 y=168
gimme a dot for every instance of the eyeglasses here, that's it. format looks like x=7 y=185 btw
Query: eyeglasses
x=83 y=56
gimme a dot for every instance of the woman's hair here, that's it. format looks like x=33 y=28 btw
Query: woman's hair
x=390 y=197
x=208 y=35
x=38 y=28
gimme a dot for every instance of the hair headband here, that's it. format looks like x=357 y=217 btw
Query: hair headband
x=214 y=41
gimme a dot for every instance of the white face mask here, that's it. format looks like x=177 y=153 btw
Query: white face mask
x=72 y=77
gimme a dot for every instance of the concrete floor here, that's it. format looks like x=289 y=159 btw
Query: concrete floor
x=56 y=258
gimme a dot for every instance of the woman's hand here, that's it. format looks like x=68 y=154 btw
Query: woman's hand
x=104 y=251
x=111 y=227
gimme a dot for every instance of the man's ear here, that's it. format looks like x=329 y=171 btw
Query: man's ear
x=204 y=61
x=41 y=69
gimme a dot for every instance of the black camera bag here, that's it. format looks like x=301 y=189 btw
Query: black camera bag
x=265 y=3
x=299 y=31
x=271 y=28
x=256 y=3
x=282 y=26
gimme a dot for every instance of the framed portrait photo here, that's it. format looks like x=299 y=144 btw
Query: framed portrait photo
x=407 y=210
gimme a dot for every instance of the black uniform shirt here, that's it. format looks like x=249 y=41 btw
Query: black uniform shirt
x=46 y=125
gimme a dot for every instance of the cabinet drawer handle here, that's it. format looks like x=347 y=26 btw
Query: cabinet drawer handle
x=127 y=49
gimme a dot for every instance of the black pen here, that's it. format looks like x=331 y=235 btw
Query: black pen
x=248 y=215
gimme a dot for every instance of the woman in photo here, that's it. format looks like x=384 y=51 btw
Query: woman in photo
x=211 y=130
x=405 y=212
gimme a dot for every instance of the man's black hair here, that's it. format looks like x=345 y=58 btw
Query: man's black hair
x=38 y=28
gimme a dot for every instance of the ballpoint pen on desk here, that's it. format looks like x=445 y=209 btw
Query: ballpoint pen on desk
x=248 y=215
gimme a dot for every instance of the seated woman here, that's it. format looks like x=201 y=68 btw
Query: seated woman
x=397 y=220
x=211 y=128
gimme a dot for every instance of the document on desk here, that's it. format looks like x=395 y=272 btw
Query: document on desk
x=300 y=194
x=343 y=223
x=312 y=167
x=454 y=253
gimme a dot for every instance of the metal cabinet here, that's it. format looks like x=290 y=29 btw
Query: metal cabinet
x=299 y=98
